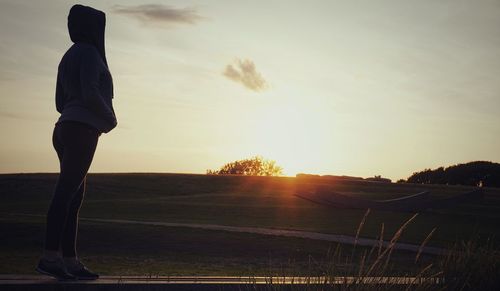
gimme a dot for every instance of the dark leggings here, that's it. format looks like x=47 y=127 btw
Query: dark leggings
x=75 y=144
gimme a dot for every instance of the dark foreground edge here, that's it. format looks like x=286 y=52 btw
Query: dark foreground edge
x=36 y=282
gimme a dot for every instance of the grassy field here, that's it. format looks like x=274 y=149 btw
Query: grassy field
x=225 y=200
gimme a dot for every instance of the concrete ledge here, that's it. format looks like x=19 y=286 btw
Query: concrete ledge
x=36 y=282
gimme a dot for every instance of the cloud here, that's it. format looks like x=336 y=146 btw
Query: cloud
x=244 y=72
x=4 y=114
x=159 y=13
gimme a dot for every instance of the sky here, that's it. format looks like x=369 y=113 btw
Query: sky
x=358 y=88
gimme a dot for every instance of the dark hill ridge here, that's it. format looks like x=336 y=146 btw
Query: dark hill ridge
x=478 y=173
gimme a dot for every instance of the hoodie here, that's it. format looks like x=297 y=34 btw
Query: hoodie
x=84 y=89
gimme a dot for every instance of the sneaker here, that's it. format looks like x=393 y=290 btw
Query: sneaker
x=54 y=269
x=81 y=272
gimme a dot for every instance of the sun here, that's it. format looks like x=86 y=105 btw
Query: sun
x=292 y=135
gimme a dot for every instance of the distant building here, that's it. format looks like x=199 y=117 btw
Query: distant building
x=379 y=179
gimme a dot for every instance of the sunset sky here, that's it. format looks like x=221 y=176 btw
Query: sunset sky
x=356 y=88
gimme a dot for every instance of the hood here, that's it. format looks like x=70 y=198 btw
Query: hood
x=86 y=24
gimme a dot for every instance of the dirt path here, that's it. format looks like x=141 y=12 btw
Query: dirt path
x=344 y=239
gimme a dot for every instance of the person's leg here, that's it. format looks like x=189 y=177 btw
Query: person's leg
x=53 y=254
x=75 y=144
x=70 y=231
x=68 y=242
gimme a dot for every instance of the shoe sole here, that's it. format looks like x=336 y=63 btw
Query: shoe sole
x=52 y=275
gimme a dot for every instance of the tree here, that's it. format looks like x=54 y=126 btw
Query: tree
x=255 y=166
x=478 y=173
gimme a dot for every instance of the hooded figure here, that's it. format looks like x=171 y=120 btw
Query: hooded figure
x=86 y=24
x=84 y=94
x=84 y=84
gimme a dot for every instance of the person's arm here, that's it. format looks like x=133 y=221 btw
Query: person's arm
x=90 y=74
x=59 y=96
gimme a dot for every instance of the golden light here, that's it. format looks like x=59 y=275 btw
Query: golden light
x=293 y=135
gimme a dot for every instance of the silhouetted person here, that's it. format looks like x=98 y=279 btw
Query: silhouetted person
x=83 y=97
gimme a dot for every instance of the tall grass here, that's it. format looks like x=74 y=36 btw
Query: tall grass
x=467 y=265
x=472 y=265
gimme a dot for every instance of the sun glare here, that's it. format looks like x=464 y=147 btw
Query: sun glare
x=293 y=136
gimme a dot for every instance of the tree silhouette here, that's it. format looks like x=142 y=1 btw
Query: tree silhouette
x=479 y=173
x=255 y=166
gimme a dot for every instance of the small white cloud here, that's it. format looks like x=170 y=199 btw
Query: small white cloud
x=244 y=72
